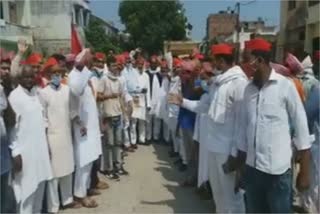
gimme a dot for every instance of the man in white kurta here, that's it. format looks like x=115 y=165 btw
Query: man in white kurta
x=87 y=145
x=29 y=148
x=163 y=101
x=173 y=110
x=222 y=107
x=141 y=102
x=153 y=122
x=56 y=102
x=130 y=79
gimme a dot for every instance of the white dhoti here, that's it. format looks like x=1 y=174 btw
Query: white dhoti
x=82 y=180
x=141 y=131
x=223 y=186
x=33 y=204
x=65 y=184
x=203 y=169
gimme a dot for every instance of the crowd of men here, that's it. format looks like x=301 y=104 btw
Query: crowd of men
x=248 y=134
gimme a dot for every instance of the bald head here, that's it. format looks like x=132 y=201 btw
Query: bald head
x=26 y=77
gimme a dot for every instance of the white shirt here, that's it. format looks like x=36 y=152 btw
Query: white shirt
x=265 y=134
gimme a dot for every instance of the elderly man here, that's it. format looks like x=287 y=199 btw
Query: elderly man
x=29 y=145
x=153 y=122
x=141 y=101
x=221 y=105
x=87 y=145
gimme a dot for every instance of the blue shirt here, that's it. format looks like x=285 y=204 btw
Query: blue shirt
x=186 y=118
x=312 y=107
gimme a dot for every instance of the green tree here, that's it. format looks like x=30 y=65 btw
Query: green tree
x=98 y=39
x=150 y=23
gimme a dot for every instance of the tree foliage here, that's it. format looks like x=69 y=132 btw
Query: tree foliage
x=98 y=39
x=150 y=23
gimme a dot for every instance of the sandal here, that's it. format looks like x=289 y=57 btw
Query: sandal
x=89 y=203
x=93 y=192
x=73 y=205
x=102 y=185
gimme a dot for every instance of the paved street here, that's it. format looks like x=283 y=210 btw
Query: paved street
x=152 y=187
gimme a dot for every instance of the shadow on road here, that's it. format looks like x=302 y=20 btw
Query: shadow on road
x=185 y=199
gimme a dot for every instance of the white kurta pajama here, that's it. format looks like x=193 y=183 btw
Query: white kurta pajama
x=130 y=79
x=163 y=108
x=59 y=113
x=153 y=122
x=223 y=108
x=141 y=101
x=125 y=120
x=173 y=112
x=86 y=148
x=31 y=143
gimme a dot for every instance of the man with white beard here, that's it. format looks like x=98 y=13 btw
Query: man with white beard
x=87 y=145
x=130 y=79
x=141 y=102
x=153 y=122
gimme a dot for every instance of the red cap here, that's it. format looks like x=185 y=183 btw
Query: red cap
x=259 y=44
x=49 y=63
x=100 y=56
x=293 y=64
x=126 y=55
x=177 y=62
x=33 y=59
x=221 y=49
x=120 y=59
x=198 y=56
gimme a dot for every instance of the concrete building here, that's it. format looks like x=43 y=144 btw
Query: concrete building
x=110 y=29
x=12 y=24
x=221 y=25
x=46 y=24
x=299 y=27
x=178 y=48
x=251 y=29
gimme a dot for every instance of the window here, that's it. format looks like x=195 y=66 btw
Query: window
x=313 y=2
x=1 y=10
x=77 y=15
x=291 y=4
x=12 y=12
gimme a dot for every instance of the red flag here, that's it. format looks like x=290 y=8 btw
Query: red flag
x=76 y=46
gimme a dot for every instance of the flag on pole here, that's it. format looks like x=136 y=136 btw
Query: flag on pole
x=76 y=46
